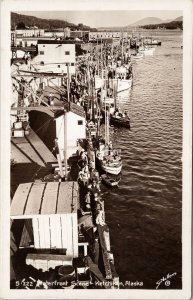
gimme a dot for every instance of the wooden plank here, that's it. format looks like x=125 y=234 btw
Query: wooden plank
x=75 y=234
x=35 y=198
x=18 y=156
x=50 y=198
x=69 y=231
x=20 y=199
x=49 y=256
x=95 y=270
x=42 y=232
x=58 y=231
x=107 y=238
x=27 y=149
x=104 y=253
x=55 y=226
x=41 y=148
x=64 y=233
x=64 y=198
x=75 y=195
x=35 y=224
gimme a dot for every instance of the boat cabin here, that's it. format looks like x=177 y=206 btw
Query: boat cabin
x=50 y=227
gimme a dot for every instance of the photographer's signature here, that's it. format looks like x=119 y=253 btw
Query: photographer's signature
x=165 y=280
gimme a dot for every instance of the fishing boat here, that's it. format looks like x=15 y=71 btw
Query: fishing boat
x=109 y=180
x=110 y=163
x=107 y=158
x=116 y=116
x=122 y=79
x=120 y=119
x=152 y=42
x=147 y=50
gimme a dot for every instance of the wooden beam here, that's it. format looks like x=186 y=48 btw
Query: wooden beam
x=39 y=74
x=106 y=262
x=49 y=110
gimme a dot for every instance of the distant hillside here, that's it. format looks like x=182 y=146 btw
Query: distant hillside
x=22 y=21
x=167 y=21
x=179 y=19
x=171 y=25
x=147 y=21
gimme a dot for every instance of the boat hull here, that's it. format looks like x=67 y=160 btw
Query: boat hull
x=109 y=181
x=122 y=122
x=120 y=84
x=114 y=170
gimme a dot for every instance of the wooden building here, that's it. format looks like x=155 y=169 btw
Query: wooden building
x=55 y=56
x=70 y=128
x=49 y=213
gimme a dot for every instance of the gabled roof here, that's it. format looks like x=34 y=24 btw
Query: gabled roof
x=72 y=107
x=44 y=198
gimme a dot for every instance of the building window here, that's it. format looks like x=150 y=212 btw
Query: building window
x=43 y=45
x=58 y=66
x=41 y=52
x=67 y=52
x=72 y=64
x=80 y=122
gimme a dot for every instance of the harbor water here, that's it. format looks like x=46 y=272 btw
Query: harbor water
x=144 y=212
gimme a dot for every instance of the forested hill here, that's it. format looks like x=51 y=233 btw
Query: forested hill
x=171 y=25
x=22 y=21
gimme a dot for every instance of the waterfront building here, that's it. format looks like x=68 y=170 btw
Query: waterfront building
x=75 y=129
x=48 y=212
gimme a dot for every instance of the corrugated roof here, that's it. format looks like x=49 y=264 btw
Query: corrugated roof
x=44 y=198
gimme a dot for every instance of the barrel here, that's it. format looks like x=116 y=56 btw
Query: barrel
x=66 y=273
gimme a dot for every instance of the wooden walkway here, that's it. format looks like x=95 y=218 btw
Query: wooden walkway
x=31 y=149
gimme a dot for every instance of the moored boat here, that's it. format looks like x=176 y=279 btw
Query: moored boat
x=147 y=50
x=122 y=121
x=109 y=180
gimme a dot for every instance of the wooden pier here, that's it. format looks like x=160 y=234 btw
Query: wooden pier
x=31 y=149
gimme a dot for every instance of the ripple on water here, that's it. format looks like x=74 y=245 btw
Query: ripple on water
x=144 y=213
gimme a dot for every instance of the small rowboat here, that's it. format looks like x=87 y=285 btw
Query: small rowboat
x=120 y=121
x=109 y=180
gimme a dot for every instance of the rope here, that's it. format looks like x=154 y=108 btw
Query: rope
x=48 y=121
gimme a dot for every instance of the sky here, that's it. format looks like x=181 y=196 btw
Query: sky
x=104 y=18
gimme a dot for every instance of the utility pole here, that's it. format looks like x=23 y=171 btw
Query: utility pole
x=65 y=122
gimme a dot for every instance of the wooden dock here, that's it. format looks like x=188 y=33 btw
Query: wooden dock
x=31 y=149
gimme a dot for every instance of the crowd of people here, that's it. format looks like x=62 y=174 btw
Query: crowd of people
x=89 y=181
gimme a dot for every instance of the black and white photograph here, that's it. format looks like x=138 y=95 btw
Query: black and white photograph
x=96 y=148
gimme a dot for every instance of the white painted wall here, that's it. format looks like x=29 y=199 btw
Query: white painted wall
x=74 y=132
x=55 y=58
x=56 y=53
x=30 y=32
x=58 y=231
